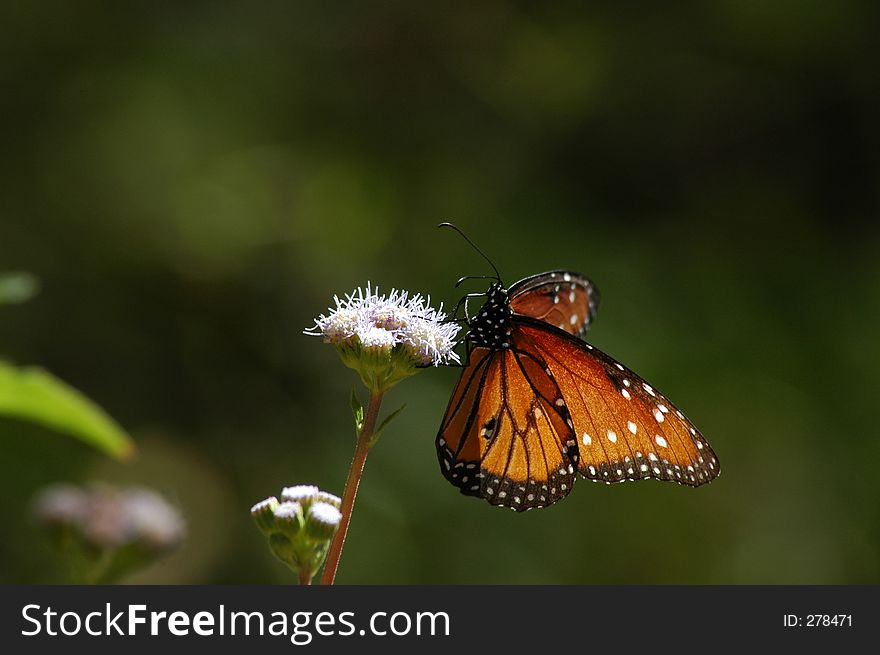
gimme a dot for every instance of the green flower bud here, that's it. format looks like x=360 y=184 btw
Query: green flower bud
x=263 y=514
x=289 y=518
x=322 y=521
x=330 y=499
x=301 y=493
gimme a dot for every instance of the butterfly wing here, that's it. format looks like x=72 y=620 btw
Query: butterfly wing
x=625 y=429
x=504 y=436
x=564 y=299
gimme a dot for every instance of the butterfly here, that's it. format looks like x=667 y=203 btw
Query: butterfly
x=536 y=405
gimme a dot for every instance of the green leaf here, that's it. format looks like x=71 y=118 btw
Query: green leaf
x=378 y=433
x=17 y=286
x=358 y=410
x=35 y=395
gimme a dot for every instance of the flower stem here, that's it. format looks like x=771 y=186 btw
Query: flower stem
x=305 y=577
x=351 y=486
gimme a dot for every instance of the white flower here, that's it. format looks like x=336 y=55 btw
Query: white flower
x=343 y=325
x=381 y=323
x=154 y=519
x=431 y=339
x=378 y=338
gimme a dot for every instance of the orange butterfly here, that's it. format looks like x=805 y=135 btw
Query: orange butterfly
x=535 y=404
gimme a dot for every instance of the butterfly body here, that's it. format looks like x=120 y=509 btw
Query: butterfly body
x=536 y=405
x=491 y=327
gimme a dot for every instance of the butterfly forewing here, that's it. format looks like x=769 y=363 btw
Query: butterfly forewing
x=564 y=299
x=625 y=429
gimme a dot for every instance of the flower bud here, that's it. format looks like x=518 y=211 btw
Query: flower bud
x=330 y=499
x=289 y=518
x=263 y=514
x=322 y=521
x=301 y=493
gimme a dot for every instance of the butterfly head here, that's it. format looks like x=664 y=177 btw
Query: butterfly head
x=491 y=326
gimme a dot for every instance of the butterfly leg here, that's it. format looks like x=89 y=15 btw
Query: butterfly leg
x=463 y=302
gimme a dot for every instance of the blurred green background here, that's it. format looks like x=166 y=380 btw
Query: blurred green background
x=193 y=182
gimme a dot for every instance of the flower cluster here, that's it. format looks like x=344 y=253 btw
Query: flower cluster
x=299 y=526
x=387 y=338
x=107 y=532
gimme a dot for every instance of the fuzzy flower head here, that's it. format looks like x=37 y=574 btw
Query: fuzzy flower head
x=104 y=533
x=387 y=338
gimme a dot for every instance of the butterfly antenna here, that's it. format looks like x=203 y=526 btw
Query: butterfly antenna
x=474 y=246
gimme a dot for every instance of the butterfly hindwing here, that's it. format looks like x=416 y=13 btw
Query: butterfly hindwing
x=564 y=299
